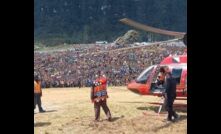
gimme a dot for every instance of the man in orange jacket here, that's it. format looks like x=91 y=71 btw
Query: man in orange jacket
x=37 y=94
x=99 y=97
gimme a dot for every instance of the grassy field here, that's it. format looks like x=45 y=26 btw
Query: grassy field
x=70 y=111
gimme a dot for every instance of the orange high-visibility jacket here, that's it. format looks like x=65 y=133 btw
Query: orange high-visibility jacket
x=37 y=87
x=100 y=91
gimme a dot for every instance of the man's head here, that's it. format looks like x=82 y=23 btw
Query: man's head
x=162 y=70
x=166 y=69
x=36 y=78
x=99 y=73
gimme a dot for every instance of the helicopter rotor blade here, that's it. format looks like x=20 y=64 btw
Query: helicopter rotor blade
x=151 y=29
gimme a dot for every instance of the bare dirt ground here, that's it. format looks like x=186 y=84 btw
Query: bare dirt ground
x=70 y=111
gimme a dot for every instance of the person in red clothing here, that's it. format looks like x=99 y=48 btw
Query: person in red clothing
x=99 y=96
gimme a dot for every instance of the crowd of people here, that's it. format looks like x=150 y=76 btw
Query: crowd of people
x=78 y=66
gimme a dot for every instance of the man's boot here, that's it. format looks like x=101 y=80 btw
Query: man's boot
x=41 y=110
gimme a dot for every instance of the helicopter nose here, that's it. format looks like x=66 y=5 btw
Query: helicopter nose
x=134 y=90
x=132 y=87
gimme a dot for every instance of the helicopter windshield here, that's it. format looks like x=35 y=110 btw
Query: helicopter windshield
x=142 y=78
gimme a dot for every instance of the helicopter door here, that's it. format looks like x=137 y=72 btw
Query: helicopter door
x=176 y=73
x=155 y=88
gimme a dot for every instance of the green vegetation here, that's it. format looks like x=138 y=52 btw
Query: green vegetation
x=86 y=21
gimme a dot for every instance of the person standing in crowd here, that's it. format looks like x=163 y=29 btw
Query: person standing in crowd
x=38 y=94
x=79 y=83
x=99 y=96
x=170 y=84
x=119 y=63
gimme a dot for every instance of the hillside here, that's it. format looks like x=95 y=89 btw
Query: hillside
x=86 y=21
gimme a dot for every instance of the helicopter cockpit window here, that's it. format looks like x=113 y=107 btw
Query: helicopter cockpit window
x=176 y=73
x=142 y=78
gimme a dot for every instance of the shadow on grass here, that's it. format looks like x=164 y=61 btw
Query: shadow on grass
x=131 y=102
x=182 y=117
x=152 y=108
x=41 y=124
x=116 y=118
x=155 y=108
x=49 y=111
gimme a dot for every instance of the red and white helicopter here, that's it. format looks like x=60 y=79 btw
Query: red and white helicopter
x=145 y=83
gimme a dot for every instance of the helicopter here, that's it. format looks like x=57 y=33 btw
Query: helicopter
x=146 y=82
